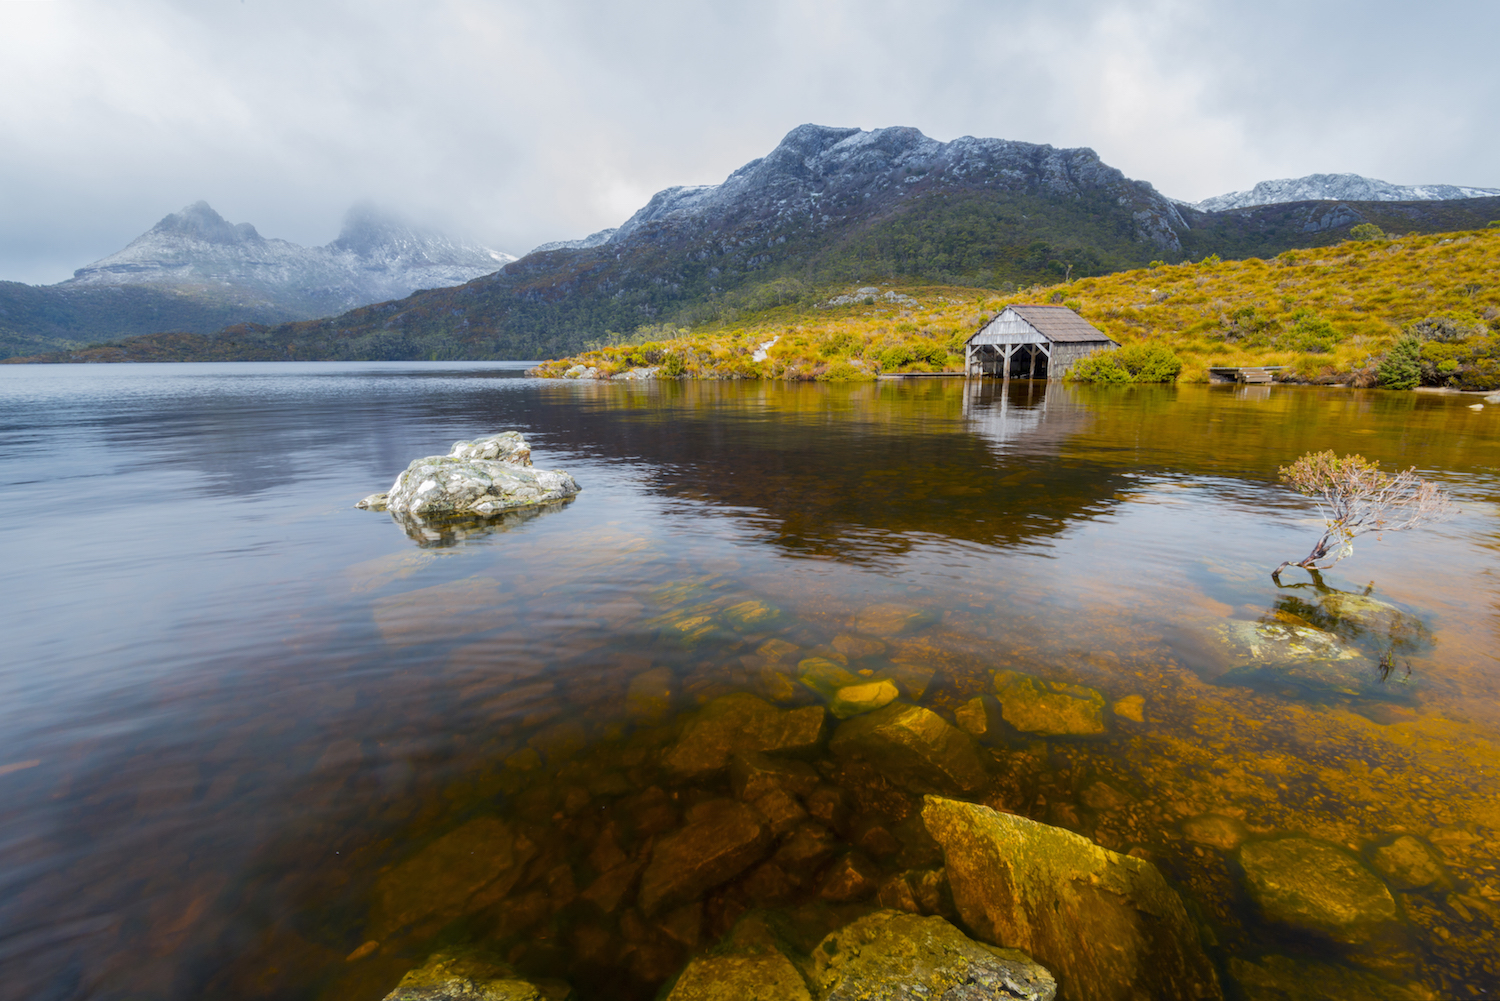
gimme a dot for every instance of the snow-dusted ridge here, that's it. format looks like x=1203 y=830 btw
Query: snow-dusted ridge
x=1337 y=187
x=376 y=257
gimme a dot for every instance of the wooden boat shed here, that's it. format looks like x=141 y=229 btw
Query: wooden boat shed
x=1032 y=342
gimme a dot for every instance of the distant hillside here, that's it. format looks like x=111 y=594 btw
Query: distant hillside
x=1328 y=315
x=827 y=208
x=195 y=272
x=1338 y=187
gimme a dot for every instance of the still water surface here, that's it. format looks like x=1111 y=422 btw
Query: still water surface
x=229 y=700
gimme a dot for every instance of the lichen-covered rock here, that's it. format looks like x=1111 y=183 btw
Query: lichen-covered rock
x=507 y=446
x=1317 y=886
x=741 y=724
x=892 y=956
x=449 y=977
x=722 y=838
x=913 y=746
x=1049 y=708
x=1282 y=978
x=486 y=476
x=769 y=976
x=1107 y=925
x=1410 y=864
x=463 y=871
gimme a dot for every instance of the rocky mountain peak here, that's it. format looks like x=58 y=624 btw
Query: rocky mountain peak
x=201 y=223
x=819 y=175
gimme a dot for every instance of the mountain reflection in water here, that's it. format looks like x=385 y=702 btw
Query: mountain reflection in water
x=233 y=702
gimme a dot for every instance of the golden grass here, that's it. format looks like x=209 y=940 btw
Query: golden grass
x=1210 y=313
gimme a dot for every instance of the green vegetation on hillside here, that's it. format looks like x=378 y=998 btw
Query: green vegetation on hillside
x=1328 y=315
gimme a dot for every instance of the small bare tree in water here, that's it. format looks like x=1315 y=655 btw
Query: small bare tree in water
x=1355 y=497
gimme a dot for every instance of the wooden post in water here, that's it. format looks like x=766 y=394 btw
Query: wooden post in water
x=1032 y=374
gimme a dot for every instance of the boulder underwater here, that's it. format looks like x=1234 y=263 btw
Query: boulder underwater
x=883 y=956
x=1108 y=926
x=460 y=977
x=484 y=477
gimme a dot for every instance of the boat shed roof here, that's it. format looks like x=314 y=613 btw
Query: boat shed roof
x=1058 y=324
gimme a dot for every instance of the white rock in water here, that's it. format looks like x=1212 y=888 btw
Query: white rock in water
x=485 y=476
x=508 y=446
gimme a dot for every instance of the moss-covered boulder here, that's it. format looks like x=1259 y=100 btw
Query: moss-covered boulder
x=459 y=977
x=1107 y=925
x=1049 y=708
x=466 y=869
x=1317 y=886
x=892 y=956
x=913 y=746
x=741 y=724
x=769 y=976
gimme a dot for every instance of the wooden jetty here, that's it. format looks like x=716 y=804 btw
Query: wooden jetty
x=1243 y=373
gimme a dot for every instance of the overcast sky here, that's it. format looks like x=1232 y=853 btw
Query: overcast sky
x=521 y=122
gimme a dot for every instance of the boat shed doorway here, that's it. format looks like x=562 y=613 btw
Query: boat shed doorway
x=1032 y=342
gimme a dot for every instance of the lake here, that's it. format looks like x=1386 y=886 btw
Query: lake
x=234 y=707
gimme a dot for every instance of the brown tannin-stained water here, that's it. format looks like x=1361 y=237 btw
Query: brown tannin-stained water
x=260 y=744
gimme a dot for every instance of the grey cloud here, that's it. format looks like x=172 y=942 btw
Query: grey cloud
x=515 y=123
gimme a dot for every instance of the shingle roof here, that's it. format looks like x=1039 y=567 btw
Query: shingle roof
x=1060 y=324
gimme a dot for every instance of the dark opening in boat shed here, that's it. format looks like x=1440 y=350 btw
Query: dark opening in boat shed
x=1032 y=342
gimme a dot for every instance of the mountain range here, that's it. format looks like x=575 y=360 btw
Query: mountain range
x=828 y=206
x=196 y=272
x=1338 y=187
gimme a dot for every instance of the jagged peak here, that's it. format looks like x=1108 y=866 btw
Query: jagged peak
x=199 y=221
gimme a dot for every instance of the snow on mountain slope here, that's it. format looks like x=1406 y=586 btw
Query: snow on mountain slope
x=1338 y=187
x=592 y=240
x=375 y=258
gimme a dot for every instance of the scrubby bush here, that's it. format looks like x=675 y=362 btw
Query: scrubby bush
x=1136 y=363
x=1366 y=231
x=673 y=366
x=1447 y=328
x=1308 y=334
x=1402 y=367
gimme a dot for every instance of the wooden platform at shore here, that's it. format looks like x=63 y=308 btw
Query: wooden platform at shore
x=1243 y=373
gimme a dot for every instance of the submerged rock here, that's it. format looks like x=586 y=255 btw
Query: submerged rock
x=1282 y=978
x=722 y=839
x=1410 y=864
x=741 y=724
x=1287 y=650
x=769 y=976
x=1107 y=925
x=449 y=977
x=464 y=870
x=1317 y=886
x=486 y=476
x=913 y=746
x=889 y=955
x=1049 y=708
x=1215 y=831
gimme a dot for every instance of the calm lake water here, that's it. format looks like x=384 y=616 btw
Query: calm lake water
x=230 y=701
